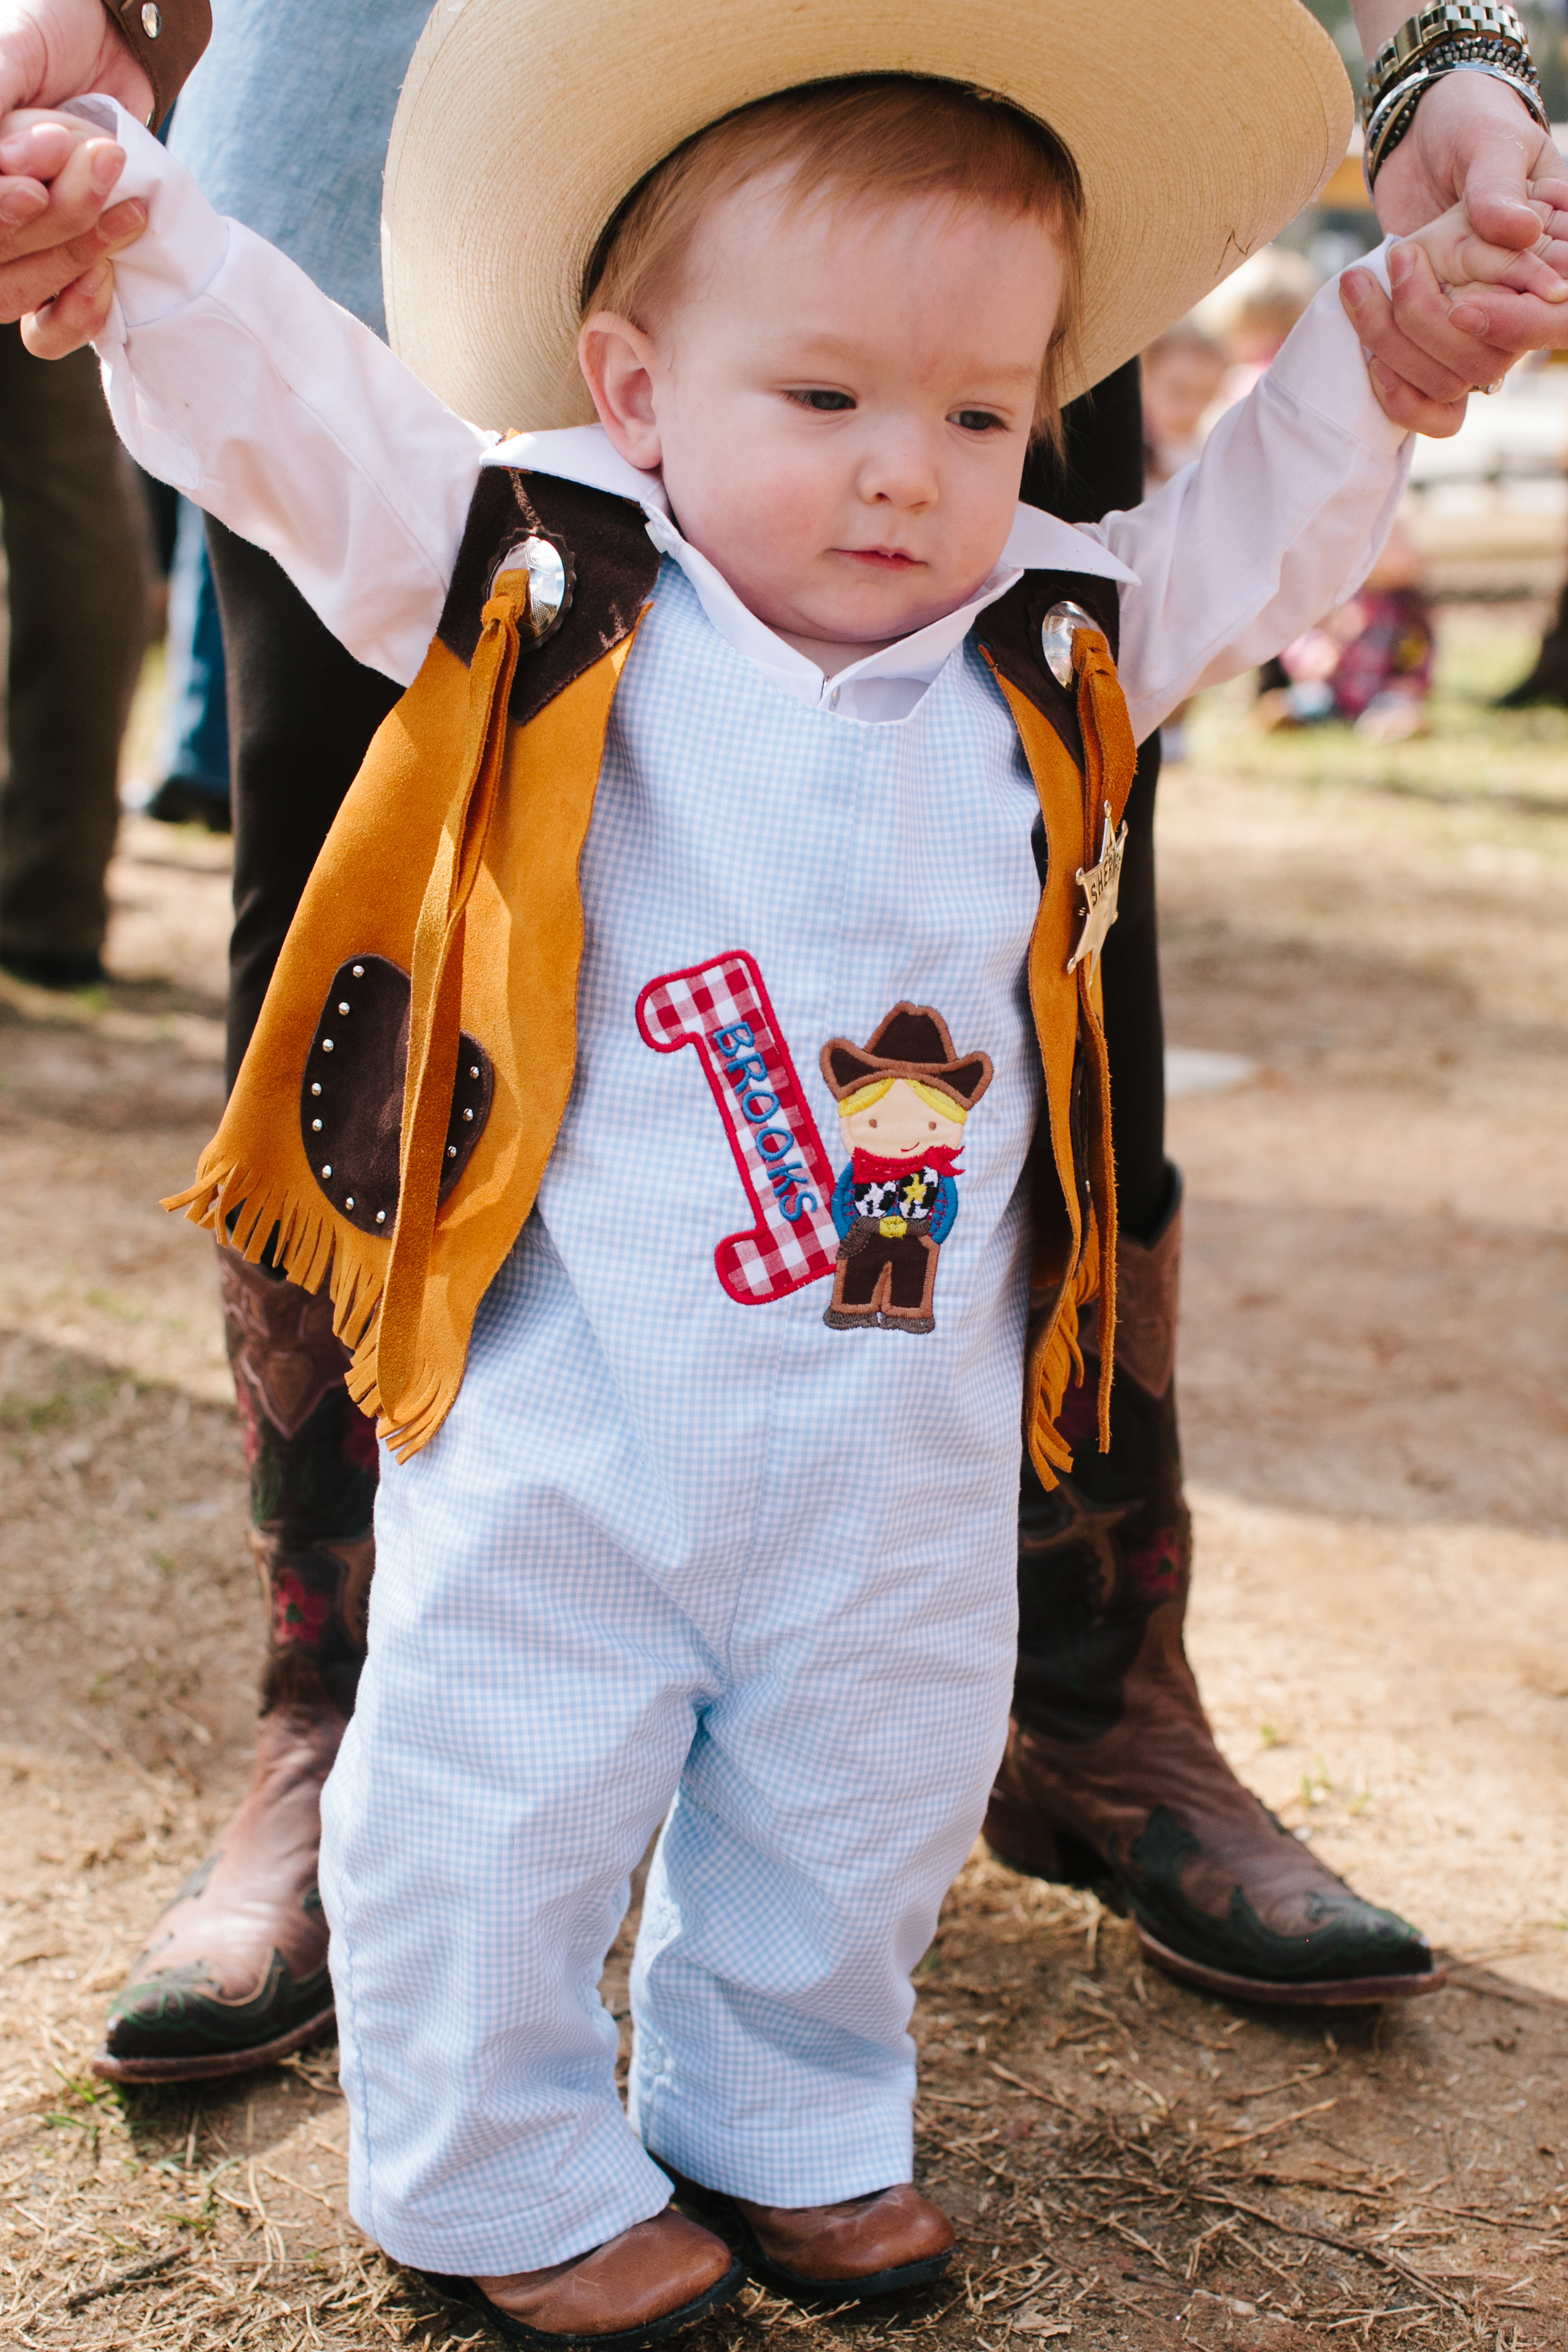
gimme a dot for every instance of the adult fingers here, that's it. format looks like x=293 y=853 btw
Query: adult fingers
x=28 y=284
x=1425 y=317
x=1416 y=411
x=1498 y=164
x=73 y=202
x=75 y=317
x=1493 y=317
x=1371 y=314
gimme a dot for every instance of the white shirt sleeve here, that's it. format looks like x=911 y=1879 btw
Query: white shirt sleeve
x=231 y=375
x=1278 y=522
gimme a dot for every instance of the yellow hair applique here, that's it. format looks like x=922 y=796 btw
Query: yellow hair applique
x=932 y=1096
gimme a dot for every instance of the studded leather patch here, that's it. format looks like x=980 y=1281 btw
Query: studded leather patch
x=351 y=1105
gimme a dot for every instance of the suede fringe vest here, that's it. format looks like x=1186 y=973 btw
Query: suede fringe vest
x=407 y=1079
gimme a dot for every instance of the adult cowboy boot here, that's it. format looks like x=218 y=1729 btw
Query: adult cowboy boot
x=1112 y=1777
x=235 y=1972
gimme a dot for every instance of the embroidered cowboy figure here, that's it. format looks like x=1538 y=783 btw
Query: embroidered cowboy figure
x=902 y=1102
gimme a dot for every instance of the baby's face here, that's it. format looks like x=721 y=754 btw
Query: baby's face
x=900 y=1126
x=840 y=403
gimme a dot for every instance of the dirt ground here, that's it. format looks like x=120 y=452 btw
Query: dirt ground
x=1376 y=1421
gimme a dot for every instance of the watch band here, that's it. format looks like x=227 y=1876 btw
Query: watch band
x=1463 y=20
x=165 y=37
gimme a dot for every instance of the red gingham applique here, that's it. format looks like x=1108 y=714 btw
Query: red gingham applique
x=723 y=1008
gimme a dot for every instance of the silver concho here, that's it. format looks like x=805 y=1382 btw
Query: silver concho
x=549 y=585
x=1057 y=630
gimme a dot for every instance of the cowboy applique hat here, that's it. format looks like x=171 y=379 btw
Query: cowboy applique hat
x=911 y=1042
x=525 y=124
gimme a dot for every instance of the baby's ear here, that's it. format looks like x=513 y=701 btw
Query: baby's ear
x=620 y=362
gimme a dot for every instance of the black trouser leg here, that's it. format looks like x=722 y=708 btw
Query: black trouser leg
x=302 y=713
x=1101 y=468
x=78 y=552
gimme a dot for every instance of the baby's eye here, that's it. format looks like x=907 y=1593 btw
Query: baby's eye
x=930 y=1126
x=978 y=420
x=815 y=397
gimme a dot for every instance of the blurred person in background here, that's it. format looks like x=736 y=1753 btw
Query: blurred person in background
x=193 y=759
x=79 y=561
x=1251 y=314
x=1180 y=377
x=1113 y=1776
x=1370 y=663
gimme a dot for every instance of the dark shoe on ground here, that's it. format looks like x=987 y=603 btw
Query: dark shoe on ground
x=1113 y=1778
x=235 y=1975
x=633 y=2289
x=863 y=2246
x=179 y=801
x=47 y=968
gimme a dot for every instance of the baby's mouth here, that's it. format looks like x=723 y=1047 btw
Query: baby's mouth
x=883 y=558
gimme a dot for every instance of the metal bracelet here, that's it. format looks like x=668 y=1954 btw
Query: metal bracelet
x=1433 y=28
x=1395 y=113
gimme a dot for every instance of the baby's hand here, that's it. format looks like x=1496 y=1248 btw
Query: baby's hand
x=77 y=167
x=1460 y=259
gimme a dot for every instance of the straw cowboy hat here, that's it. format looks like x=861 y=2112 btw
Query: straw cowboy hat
x=523 y=125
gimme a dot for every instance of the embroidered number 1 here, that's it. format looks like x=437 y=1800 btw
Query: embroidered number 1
x=723 y=1008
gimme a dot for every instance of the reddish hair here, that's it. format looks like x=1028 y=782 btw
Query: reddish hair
x=869 y=139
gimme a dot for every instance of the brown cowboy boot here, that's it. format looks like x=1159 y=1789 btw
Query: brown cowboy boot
x=234 y=1974
x=876 y=2245
x=1112 y=1777
x=648 y=2282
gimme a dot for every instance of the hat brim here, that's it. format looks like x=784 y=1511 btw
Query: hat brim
x=523 y=125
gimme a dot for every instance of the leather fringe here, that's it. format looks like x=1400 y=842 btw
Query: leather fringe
x=312 y=1244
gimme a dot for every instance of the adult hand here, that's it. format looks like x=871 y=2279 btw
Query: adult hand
x=1472 y=142
x=54 y=227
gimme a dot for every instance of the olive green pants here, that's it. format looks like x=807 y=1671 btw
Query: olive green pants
x=76 y=552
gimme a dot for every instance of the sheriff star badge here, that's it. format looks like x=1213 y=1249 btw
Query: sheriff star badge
x=1099 y=887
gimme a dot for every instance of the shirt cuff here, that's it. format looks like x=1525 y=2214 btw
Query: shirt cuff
x=182 y=249
x=1323 y=364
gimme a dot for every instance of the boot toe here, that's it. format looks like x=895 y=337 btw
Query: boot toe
x=636 y=2288
x=181 y=2023
x=870 y=2245
x=1284 y=1928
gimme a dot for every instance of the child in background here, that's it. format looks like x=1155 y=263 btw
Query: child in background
x=1182 y=372
x=838 y=757
x=1253 y=312
x=1370 y=662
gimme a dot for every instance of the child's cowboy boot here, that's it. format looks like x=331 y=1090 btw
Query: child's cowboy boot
x=633 y=2289
x=861 y=2247
x=234 y=1974
x=1112 y=1777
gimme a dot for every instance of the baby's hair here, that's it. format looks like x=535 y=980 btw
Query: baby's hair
x=868 y=140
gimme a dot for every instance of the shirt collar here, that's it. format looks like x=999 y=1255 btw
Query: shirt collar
x=1038 y=541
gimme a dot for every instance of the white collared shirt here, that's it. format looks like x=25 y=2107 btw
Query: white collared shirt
x=230 y=375
x=883 y=685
